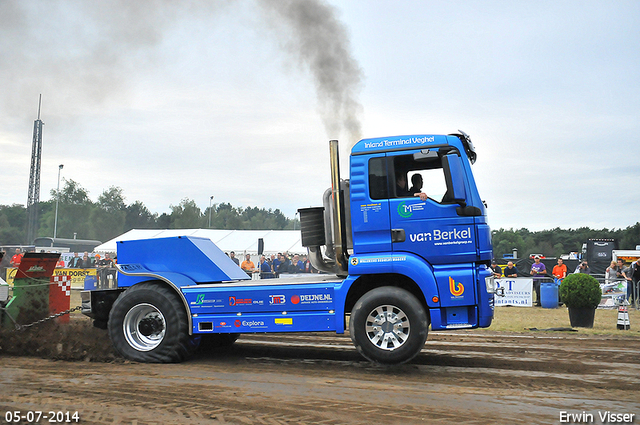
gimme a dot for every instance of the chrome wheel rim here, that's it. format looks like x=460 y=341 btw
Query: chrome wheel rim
x=144 y=327
x=387 y=327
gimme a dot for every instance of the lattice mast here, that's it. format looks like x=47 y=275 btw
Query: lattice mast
x=33 y=197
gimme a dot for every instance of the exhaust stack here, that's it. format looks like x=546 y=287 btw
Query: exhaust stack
x=312 y=224
x=339 y=241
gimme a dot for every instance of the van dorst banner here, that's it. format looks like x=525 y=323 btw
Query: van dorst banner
x=77 y=275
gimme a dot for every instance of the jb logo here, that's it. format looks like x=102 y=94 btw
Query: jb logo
x=457 y=289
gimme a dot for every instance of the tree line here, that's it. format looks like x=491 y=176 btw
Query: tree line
x=555 y=242
x=110 y=216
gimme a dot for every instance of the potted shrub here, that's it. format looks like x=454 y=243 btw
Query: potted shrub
x=581 y=293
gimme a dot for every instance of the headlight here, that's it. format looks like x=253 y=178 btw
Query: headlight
x=491 y=284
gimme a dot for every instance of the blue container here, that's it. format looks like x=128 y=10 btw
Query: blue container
x=90 y=282
x=549 y=294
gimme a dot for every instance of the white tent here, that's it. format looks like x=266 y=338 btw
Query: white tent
x=241 y=241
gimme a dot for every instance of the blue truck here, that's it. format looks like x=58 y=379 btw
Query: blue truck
x=397 y=260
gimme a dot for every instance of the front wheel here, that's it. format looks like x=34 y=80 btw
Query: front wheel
x=148 y=323
x=388 y=325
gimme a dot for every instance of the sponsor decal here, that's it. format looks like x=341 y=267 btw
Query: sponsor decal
x=249 y=323
x=399 y=142
x=130 y=267
x=201 y=301
x=388 y=259
x=223 y=324
x=284 y=321
x=457 y=289
x=444 y=237
x=311 y=299
x=240 y=301
x=369 y=208
x=382 y=259
x=277 y=299
x=36 y=268
x=406 y=211
x=354 y=261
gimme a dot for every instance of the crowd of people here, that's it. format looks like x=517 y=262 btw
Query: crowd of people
x=88 y=262
x=104 y=264
x=273 y=266
x=616 y=272
x=76 y=262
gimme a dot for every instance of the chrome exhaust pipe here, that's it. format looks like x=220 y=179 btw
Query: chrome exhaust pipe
x=338 y=212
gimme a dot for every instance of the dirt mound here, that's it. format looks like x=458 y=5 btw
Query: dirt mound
x=76 y=340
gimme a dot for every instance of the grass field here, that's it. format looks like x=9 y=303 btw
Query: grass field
x=519 y=319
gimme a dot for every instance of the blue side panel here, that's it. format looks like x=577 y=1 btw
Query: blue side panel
x=454 y=318
x=406 y=264
x=455 y=315
x=369 y=217
x=457 y=284
x=261 y=308
x=341 y=291
x=136 y=273
x=308 y=321
x=441 y=240
x=250 y=299
x=197 y=258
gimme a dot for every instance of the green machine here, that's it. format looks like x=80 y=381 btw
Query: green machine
x=30 y=299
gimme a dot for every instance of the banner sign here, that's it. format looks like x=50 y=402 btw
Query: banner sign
x=77 y=276
x=517 y=292
x=612 y=292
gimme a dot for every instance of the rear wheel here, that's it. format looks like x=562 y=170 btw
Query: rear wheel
x=388 y=325
x=148 y=323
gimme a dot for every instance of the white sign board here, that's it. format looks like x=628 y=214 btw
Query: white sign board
x=611 y=292
x=517 y=292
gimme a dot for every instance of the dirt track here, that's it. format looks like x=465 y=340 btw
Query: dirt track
x=467 y=377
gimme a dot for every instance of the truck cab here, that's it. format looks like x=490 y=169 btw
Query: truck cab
x=438 y=248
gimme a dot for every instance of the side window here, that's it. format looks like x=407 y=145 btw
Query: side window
x=425 y=175
x=378 y=178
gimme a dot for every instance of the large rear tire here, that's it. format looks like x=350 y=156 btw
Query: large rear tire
x=388 y=325
x=148 y=323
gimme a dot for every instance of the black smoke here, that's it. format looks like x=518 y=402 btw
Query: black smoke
x=320 y=41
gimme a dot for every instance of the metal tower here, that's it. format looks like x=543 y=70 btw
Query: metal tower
x=34 y=178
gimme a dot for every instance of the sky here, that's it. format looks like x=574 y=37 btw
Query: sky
x=173 y=100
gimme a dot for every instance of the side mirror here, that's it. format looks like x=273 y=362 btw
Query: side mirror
x=454 y=176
